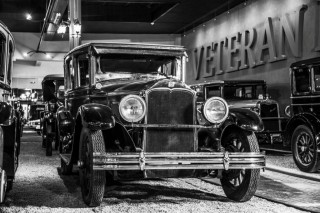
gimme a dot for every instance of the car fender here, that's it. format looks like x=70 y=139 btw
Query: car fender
x=65 y=121
x=307 y=119
x=96 y=116
x=245 y=119
x=6 y=114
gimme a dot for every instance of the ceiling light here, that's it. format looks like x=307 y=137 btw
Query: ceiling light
x=28 y=16
x=77 y=26
x=25 y=54
x=152 y=23
x=48 y=56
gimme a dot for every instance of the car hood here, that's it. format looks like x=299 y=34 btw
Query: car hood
x=243 y=103
x=135 y=86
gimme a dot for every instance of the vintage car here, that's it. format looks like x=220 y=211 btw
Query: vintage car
x=248 y=94
x=53 y=96
x=9 y=116
x=129 y=114
x=303 y=129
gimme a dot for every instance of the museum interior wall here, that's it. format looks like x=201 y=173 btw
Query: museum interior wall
x=257 y=40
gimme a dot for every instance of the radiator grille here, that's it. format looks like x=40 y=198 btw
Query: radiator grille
x=271 y=111
x=165 y=106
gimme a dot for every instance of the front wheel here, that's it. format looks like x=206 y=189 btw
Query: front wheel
x=304 y=149
x=92 y=181
x=240 y=184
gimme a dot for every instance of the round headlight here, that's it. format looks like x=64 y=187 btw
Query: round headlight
x=132 y=108
x=215 y=110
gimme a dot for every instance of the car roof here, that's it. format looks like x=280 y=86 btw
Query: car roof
x=53 y=77
x=230 y=82
x=311 y=61
x=107 y=47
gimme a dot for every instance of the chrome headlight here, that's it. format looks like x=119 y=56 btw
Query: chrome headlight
x=215 y=110
x=132 y=108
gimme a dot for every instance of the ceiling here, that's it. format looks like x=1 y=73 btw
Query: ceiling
x=114 y=16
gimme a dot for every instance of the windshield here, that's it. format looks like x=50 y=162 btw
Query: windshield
x=126 y=66
x=242 y=92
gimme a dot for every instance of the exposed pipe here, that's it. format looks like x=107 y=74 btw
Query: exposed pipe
x=46 y=21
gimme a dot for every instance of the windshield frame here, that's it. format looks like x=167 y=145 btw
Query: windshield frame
x=179 y=68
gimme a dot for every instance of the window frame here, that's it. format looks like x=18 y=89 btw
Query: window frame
x=313 y=83
x=77 y=70
x=293 y=83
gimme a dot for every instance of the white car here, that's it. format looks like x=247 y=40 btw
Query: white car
x=34 y=124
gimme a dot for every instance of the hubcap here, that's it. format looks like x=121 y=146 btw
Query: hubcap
x=235 y=176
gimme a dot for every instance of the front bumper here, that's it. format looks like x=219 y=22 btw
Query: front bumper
x=182 y=160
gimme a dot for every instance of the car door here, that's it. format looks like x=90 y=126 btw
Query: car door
x=79 y=92
x=301 y=89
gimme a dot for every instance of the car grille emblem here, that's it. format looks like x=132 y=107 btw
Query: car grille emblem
x=171 y=84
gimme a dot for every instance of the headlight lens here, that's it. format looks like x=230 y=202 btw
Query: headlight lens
x=132 y=108
x=215 y=110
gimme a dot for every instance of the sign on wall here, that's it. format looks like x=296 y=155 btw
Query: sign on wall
x=251 y=47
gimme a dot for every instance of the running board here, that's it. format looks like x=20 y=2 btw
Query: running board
x=276 y=150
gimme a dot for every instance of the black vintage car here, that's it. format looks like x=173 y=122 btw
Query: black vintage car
x=53 y=96
x=303 y=129
x=128 y=114
x=10 y=125
x=248 y=94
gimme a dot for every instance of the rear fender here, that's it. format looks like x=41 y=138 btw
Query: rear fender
x=246 y=119
x=307 y=119
x=9 y=138
x=6 y=114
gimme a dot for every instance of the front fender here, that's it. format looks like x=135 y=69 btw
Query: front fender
x=96 y=116
x=246 y=119
x=65 y=121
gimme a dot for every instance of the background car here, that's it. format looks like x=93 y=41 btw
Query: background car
x=53 y=96
x=10 y=122
x=303 y=129
x=128 y=114
x=250 y=94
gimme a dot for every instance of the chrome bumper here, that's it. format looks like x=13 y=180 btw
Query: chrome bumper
x=173 y=160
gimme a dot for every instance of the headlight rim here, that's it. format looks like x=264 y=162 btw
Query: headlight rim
x=226 y=113
x=141 y=100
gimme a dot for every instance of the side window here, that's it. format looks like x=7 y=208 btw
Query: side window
x=69 y=74
x=316 y=71
x=260 y=92
x=213 y=92
x=301 y=80
x=248 y=92
x=2 y=56
x=83 y=70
